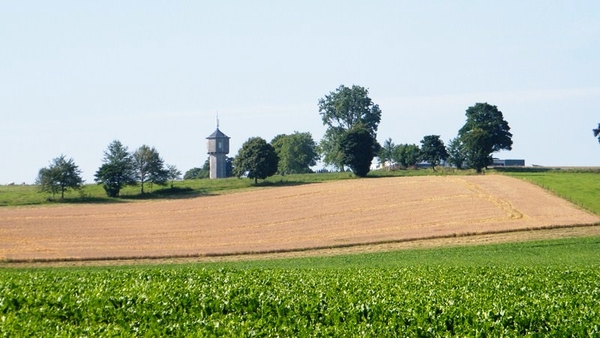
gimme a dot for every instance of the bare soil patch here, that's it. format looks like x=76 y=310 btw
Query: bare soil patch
x=324 y=218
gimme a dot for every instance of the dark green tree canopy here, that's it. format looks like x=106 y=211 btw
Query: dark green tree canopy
x=62 y=174
x=359 y=147
x=296 y=152
x=116 y=170
x=597 y=132
x=484 y=133
x=341 y=110
x=433 y=150
x=477 y=147
x=257 y=158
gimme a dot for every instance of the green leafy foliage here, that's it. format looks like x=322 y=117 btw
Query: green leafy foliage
x=257 y=159
x=456 y=153
x=410 y=301
x=359 y=147
x=342 y=110
x=198 y=173
x=484 y=133
x=433 y=150
x=149 y=167
x=407 y=155
x=116 y=171
x=62 y=174
x=329 y=148
x=296 y=152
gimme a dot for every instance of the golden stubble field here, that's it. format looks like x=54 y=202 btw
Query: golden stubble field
x=320 y=215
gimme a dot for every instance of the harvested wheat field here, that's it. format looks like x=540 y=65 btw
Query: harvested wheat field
x=323 y=215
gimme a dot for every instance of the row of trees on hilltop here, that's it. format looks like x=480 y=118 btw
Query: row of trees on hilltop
x=119 y=168
x=484 y=133
x=352 y=120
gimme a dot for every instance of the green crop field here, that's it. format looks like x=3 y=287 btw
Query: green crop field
x=510 y=290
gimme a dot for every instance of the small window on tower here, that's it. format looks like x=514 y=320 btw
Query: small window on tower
x=220 y=145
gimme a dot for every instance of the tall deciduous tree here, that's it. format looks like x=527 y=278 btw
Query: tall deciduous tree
x=433 y=150
x=149 y=167
x=116 y=170
x=61 y=175
x=296 y=152
x=484 y=133
x=359 y=147
x=257 y=158
x=340 y=111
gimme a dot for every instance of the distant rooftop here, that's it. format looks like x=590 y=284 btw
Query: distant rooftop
x=217 y=134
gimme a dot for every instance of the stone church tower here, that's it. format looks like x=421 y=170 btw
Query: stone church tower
x=218 y=148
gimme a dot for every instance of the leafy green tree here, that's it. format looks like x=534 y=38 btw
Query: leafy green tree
x=62 y=174
x=149 y=167
x=433 y=150
x=386 y=153
x=192 y=174
x=484 y=133
x=597 y=132
x=296 y=152
x=340 y=111
x=359 y=147
x=257 y=158
x=456 y=153
x=329 y=148
x=116 y=170
x=173 y=173
x=407 y=155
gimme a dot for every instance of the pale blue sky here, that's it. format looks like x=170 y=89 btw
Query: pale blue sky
x=75 y=75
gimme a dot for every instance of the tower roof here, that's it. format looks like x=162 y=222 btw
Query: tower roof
x=217 y=134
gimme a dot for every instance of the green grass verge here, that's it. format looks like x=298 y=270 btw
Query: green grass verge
x=571 y=252
x=581 y=188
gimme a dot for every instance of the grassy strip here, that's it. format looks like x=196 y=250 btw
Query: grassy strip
x=568 y=252
x=580 y=188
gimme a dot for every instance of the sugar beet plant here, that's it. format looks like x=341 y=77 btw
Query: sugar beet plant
x=422 y=301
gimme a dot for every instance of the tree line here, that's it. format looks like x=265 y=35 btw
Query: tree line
x=350 y=141
x=120 y=168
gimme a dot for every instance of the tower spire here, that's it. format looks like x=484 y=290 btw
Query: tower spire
x=217 y=119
